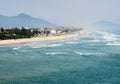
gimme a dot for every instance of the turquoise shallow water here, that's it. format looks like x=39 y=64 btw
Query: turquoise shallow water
x=91 y=59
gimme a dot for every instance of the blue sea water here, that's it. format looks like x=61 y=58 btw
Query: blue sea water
x=93 y=58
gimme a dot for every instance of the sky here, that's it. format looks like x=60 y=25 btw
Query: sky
x=65 y=12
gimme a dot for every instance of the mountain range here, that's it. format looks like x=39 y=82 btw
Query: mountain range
x=24 y=20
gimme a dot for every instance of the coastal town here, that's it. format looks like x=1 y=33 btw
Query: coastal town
x=25 y=32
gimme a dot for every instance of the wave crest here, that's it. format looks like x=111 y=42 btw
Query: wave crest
x=45 y=45
x=54 y=53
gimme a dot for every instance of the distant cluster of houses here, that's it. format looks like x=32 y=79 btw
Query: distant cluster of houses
x=54 y=30
x=25 y=32
x=49 y=31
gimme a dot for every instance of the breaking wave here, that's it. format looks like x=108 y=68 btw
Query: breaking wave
x=45 y=45
x=71 y=42
x=89 y=53
x=114 y=43
x=54 y=53
x=109 y=38
x=16 y=48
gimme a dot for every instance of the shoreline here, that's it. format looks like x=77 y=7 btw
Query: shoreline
x=39 y=39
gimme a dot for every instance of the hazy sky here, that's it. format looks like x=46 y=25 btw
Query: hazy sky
x=64 y=12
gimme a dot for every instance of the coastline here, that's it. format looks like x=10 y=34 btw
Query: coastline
x=39 y=39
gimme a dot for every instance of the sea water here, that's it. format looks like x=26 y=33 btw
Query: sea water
x=93 y=58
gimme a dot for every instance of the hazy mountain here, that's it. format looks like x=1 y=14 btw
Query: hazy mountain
x=24 y=20
x=105 y=26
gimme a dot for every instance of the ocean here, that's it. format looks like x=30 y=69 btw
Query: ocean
x=93 y=58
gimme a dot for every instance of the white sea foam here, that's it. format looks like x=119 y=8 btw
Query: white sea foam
x=54 y=45
x=114 y=43
x=94 y=37
x=54 y=53
x=24 y=50
x=96 y=40
x=45 y=45
x=71 y=42
x=87 y=54
x=16 y=48
x=112 y=39
x=110 y=36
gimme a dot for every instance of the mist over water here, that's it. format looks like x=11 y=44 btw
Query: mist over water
x=93 y=58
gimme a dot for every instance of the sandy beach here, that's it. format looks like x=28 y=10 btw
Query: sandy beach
x=39 y=39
